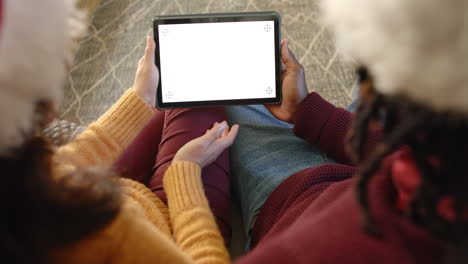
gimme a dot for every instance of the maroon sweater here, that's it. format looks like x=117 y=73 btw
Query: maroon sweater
x=314 y=217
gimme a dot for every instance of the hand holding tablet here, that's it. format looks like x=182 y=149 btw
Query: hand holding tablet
x=218 y=59
x=294 y=86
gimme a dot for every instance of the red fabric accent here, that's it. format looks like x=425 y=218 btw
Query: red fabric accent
x=406 y=177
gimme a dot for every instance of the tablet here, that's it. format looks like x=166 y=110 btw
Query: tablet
x=218 y=59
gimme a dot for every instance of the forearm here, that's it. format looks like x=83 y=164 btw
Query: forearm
x=326 y=126
x=105 y=139
x=194 y=226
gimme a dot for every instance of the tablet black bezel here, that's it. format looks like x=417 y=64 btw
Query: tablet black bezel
x=226 y=17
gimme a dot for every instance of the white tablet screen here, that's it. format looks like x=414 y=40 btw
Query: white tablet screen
x=217 y=61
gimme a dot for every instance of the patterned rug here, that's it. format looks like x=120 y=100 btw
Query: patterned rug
x=106 y=61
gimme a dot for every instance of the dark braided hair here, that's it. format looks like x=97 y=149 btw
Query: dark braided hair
x=438 y=142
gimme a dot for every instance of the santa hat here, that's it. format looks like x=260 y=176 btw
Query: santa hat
x=415 y=48
x=35 y=40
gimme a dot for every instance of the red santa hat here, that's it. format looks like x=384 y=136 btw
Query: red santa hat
x=35 y=43
x=415 y=48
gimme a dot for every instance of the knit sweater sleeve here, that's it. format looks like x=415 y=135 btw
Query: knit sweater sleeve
x=194 y=227
x=129 y=239
x=326 y=126
x=105 y=139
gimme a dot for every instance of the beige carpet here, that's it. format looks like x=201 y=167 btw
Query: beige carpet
x=106 y=61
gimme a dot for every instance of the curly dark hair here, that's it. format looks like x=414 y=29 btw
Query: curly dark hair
x=42 y=212
x=440 y=135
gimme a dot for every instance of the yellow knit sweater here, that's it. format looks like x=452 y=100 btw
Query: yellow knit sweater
x=145 y=230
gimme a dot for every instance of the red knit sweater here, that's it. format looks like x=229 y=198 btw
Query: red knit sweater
x=314 y=217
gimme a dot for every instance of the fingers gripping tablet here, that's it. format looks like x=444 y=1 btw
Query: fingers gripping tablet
x=218 y=59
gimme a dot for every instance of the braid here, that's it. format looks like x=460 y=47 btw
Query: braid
x=439 y=146
x=366 y=113
x=392 y=142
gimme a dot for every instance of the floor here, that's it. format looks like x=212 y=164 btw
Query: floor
x=106 y=61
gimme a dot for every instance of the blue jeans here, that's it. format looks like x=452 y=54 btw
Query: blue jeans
x=265 y=153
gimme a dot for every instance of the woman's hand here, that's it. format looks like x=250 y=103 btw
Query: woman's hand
x=147 y=75
x=294 y=86
x=206 y=149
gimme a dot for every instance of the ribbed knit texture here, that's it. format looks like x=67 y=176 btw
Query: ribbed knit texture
x=193 y=224
x=105 y=139
x=125 y=117
x=186 y=191
x=156 y=211
x=320 y=123
x=305 y=128
x=145 y=231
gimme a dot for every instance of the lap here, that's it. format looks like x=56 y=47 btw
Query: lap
x=265 y=153
x=181 y=126
x=152 y=151
x=138 y=158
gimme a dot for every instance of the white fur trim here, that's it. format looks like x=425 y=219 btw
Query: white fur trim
x=33 y=45
x=417 y=48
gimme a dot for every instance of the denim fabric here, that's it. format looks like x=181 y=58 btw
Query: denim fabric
x=264 y=154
